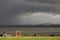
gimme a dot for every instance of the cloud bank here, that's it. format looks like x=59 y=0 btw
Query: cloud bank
x=10 y=9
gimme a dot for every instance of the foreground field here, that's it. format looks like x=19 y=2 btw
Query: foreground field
x=30 y=38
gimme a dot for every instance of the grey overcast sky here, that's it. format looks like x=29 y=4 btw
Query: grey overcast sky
x=17 y=12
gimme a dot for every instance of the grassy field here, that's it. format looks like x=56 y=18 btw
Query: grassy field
x=30 y=38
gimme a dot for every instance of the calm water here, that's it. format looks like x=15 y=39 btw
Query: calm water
x=31 y=29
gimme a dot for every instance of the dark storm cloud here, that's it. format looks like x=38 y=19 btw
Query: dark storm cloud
x=14 y=6
x=9 y=9
x=45 y=1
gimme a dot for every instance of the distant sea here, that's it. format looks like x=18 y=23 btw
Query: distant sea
x=55 y=30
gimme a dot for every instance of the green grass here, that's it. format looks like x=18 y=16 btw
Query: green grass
x=25 y=38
